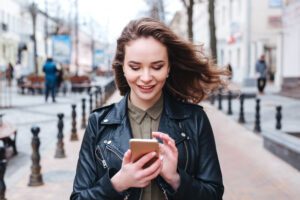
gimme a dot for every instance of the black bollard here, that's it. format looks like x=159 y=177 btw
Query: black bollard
x=60 y=152
x=83 y=119
x=219 y=101
x=35 y=176
x=212 y=99
x=229 y=111
x=74 y=136
x=257 y=117
x=278 y=117
x=241 y=115
x=3 y=162
x=91 y=102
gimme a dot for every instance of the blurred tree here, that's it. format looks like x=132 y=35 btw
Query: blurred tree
x=212 y=29
x=189 y=5
x=157 y=10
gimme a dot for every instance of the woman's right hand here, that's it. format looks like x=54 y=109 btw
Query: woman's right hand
x=132 y=174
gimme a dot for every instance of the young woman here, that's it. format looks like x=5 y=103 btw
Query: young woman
x=162 y=78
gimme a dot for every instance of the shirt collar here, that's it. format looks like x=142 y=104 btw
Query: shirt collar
x=138 y=114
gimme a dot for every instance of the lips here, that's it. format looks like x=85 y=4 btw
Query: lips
x=146 y=89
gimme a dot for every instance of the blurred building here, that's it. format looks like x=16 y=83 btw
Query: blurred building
x=179 y=24
x=244 y=31
x=10 y=27
x=289 y=71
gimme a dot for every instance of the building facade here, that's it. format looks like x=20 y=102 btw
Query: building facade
x=289 y=72
x=245 y=29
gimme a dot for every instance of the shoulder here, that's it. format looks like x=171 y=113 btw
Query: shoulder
x=102 y=111
x=194 y=109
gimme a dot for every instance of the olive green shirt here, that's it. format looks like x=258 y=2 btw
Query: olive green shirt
x=143 y=123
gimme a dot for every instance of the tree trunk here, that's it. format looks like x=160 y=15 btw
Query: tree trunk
x=190 y=20
x=189 y=11
x=212 y=29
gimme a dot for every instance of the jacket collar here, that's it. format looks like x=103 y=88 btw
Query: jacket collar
x=172 y=108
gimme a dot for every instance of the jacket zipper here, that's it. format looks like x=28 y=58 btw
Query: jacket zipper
x=164 y=191
x=105 y=166
x=187 y=156
x=113 y=150
x=141 y=194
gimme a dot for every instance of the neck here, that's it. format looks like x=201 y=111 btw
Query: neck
x=143 y=104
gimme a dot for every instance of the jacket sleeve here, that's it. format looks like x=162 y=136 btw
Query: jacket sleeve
x=207 y=182
x=86 y=184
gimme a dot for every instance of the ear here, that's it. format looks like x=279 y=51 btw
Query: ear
x=169 y=69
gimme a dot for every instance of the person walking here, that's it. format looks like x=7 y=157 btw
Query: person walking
x=162 y=79
x=9 y=74
x=50 y=71
x=261 y=71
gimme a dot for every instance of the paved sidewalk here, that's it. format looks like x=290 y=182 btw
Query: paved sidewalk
x=250 y=172
x=58 y=174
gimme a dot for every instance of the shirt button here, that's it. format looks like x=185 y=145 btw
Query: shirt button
x=183 y=134
x=106 y=120
x=108 y=142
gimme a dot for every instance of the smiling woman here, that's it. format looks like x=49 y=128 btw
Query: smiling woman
x=162 y=79
x=146 y=68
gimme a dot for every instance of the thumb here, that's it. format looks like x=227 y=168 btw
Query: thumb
x=127 y=157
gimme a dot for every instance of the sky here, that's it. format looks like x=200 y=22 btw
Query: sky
x=111 y=15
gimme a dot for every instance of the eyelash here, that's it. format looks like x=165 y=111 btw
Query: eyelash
x=158 y=67
x=134 y=67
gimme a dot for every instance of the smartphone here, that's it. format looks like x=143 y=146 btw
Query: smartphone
x=140 y=147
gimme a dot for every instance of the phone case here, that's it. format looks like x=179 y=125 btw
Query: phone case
x=140 y=147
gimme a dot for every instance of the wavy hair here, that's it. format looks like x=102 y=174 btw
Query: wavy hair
x=192 y=76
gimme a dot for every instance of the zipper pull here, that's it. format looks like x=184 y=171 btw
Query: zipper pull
x=104 y=164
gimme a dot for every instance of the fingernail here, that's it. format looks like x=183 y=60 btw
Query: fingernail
x=161 y=158
x=153 y=154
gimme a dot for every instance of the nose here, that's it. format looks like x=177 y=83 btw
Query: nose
x=146 y=76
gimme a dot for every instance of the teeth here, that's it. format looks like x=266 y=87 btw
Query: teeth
x=146 y=87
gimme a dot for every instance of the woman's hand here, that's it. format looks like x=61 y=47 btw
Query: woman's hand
x=133 y=174
x=170 y=159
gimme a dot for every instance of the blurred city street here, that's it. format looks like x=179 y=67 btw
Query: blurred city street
x=256 y=128
x=246 y=164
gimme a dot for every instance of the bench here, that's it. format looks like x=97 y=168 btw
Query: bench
x=32 y=84
x=80 y=83
x=8 y=134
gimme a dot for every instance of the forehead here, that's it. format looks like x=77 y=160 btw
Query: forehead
x=143 y=49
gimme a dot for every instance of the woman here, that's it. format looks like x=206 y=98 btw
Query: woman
x=161 y=78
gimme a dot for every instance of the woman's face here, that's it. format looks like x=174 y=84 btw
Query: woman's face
x=146 y=68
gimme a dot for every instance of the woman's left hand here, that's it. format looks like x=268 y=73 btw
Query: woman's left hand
x=170 y=159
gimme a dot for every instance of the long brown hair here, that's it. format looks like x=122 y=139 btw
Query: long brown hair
x=192 y=76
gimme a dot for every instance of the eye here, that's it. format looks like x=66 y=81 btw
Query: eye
x=134 y=67
x=157 y=67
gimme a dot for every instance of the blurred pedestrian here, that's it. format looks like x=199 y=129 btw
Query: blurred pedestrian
x=9 y=73
x=229 y=68
x=50 y=71
x=261 y=73
x=162 y=79
x=59 y=75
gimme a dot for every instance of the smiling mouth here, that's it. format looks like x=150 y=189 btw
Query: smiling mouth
x=146 y=88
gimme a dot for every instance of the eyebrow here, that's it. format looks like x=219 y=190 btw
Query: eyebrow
x=155 y=62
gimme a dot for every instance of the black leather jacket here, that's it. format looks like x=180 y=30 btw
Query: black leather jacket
x=106 y=139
